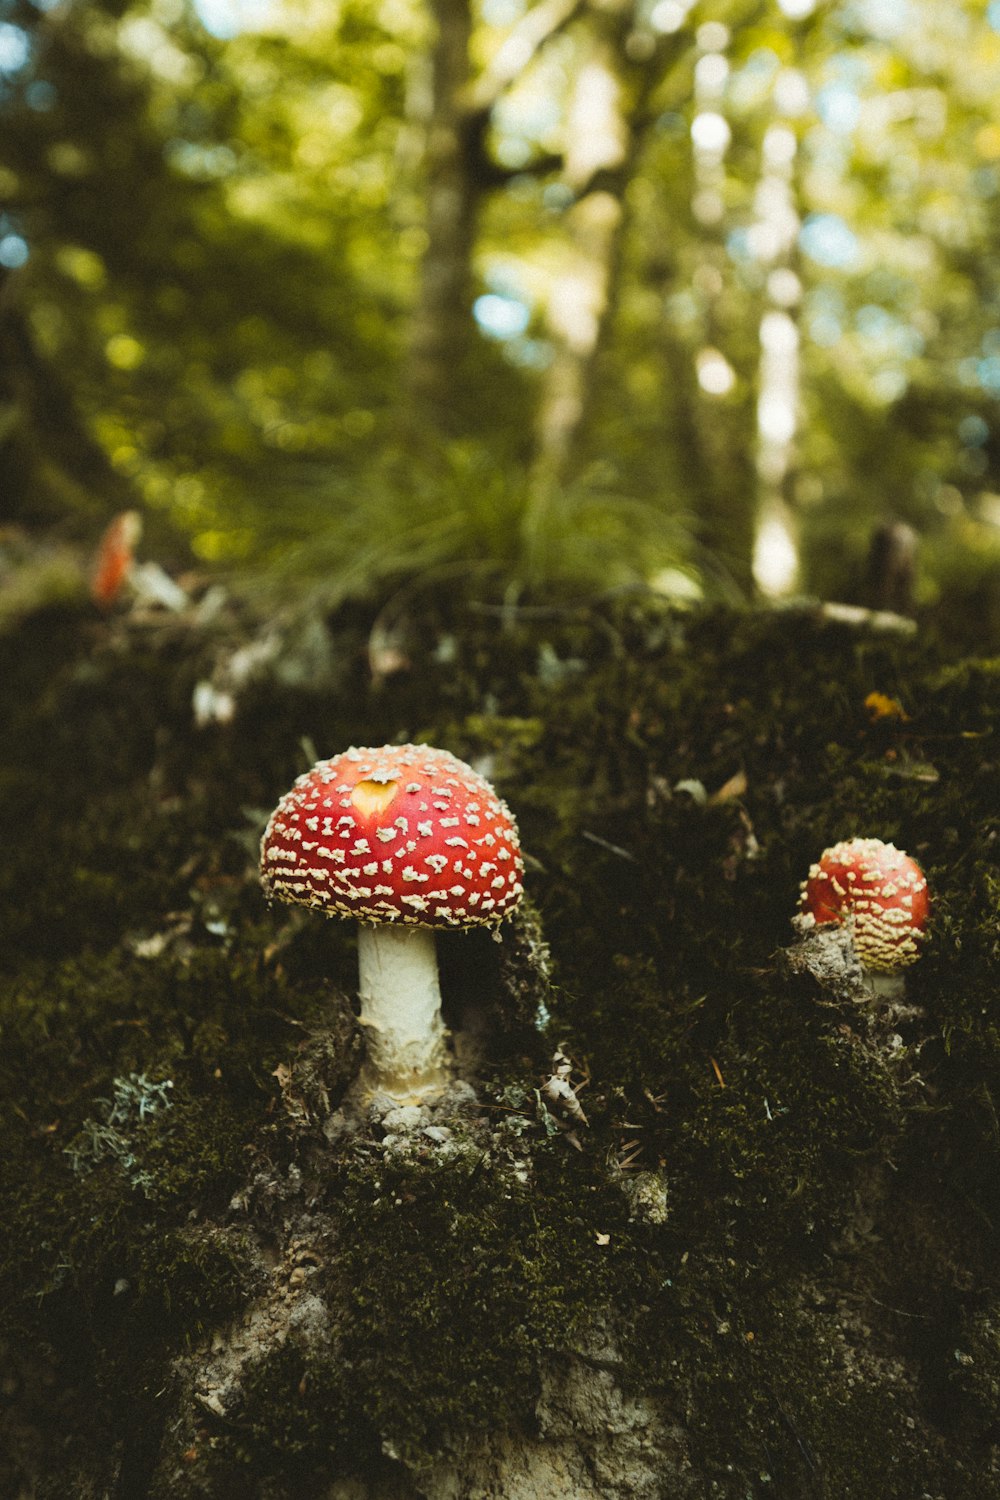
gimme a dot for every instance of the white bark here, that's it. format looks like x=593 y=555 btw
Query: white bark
x=401 y=1010
x=774 y=238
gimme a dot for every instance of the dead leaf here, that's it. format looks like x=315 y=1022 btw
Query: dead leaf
x=881 y=706
x=735 y=787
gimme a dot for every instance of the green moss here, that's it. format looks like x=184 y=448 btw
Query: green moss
x=297 y=1413
x=93 y=1204
x=808 y=1403
x=452 y=1281
x=822 y=1177
x=465 y=1275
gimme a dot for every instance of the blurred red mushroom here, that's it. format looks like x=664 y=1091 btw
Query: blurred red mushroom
x=114 y=558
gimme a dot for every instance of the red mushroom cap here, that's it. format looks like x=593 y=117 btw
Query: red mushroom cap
x=880 y=891
x=404 y=833
x=115 y=556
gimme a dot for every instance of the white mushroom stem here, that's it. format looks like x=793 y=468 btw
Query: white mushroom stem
x=401 y=1009
x=887 y=984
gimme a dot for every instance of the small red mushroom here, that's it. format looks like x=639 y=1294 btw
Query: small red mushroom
x=115 y=557
x=406 y=838
x=879 y=892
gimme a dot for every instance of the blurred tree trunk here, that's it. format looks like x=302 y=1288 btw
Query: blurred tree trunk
x=721 y=436
x=778 y=379
x=717 y=444
x=603 y=131
x=618 y=92
x=442 y=321
x=459 y=173
x=50 y=463
x=780 y=213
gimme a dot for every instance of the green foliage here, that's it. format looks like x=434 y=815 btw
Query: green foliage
x=226 y=240
x=398 y=532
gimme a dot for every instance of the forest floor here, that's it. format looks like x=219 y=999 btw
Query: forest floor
x=765 y=1263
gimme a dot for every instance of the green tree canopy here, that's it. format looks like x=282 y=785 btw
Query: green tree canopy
x=375 y=287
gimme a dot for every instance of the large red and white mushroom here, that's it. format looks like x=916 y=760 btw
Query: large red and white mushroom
x=875 y=890
x=406 y=839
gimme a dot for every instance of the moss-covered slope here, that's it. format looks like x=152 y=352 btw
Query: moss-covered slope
x=778 y=1228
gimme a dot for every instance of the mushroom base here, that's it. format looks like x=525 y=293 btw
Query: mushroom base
x=401 y=1011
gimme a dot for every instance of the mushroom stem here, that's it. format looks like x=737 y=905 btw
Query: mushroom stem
x=887 y=984
x=401 y=1009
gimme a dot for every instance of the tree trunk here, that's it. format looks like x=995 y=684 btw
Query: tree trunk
x=442 y=325
x=599 y=154
x=775 y=558
x=49 y=461
x=458 y=175
x=721 y=435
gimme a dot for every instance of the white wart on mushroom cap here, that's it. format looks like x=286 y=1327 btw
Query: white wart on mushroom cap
x=405 y=833
x=879 y=892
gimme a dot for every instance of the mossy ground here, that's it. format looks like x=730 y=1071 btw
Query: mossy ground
x=819 y=1308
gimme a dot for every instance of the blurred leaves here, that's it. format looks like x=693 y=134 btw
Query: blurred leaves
x=215 y=226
